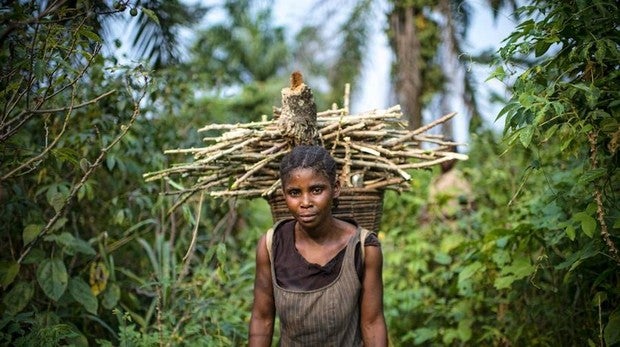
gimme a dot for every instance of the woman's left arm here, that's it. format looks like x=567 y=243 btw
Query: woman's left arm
x=374 y=330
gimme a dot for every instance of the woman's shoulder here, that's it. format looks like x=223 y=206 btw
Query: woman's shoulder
x=283 y=225
x=372 y=240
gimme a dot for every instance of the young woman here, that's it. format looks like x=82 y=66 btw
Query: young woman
x=310 y=270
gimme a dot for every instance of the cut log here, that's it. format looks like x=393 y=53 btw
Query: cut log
x=297 y=121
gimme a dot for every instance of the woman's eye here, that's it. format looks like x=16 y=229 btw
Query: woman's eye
x=317 y=190
x=293 y=193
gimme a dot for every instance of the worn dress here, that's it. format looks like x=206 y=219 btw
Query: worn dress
x=317 y=305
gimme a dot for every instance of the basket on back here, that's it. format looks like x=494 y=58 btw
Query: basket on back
x=363 y=205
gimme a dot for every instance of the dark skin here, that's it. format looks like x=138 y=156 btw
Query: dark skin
x=318 y=238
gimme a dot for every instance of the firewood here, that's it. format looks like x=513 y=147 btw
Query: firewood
x=373 y=149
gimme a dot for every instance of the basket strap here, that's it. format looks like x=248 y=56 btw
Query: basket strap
x=269 y=236
x=363 y=234
x=269 y=241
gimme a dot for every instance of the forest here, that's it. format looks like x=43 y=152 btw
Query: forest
x=523 y=253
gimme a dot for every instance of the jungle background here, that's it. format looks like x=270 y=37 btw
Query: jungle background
x=91 y=254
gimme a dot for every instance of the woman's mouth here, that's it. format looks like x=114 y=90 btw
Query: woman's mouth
x=307 y=217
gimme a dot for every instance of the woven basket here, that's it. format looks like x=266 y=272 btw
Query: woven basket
x=363 y=205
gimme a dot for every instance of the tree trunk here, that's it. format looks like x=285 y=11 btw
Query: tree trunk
x=408 y=60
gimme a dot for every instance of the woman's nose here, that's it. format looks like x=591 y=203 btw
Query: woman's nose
x=305 y=200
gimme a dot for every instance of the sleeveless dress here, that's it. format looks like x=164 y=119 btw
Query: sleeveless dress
x=327 y=316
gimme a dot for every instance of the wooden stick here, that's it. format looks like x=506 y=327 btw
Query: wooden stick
x=420 y=130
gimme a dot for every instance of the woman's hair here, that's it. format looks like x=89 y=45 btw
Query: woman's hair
x=312 y=157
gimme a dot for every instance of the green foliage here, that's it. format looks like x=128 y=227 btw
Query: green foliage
x=93 y=255
x=536 y=262
x=503 y=273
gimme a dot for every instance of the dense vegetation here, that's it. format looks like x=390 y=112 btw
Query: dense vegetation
x=93 y=255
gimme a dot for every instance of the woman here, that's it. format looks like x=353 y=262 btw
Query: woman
x=311 y=271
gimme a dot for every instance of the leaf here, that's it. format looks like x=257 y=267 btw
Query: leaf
x=424 y=334
x=52 y=277
x=525 y=135
x=469 y=270
x=84 y=165
x=151 y=14
x=464 y=329
x=558 y=107
x=8 y=272
x=504 y=282
x=499 y=73
x=588 y=224
x=592 y=96
x=508 y=110
x=220 y=254
x=80 y=246
x=89 y=34
x=63 y=239
x=570 y=232
x=119 y=217
x=541 y=48
x=609 y=125
x=591 y=175
x=577 y=258
x=520 y=267
x=71 y=244
x=550 y=132
x=599 y=298
x=450 y=242
x=442 y=258
x=110 y=161
x=81 y=292
x=501 y=257
x=111 y=296
x=612 y=329
x=31 y=231
x=60 y=222
x=35 y=256
x=66 y=154
x=18 y=297
x=57 y=201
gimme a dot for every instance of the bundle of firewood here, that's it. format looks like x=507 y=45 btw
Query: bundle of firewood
x=374 y=149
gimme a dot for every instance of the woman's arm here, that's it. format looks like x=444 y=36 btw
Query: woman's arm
x=263 y=309
x=374 y=330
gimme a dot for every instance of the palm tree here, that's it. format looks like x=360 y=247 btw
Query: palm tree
x=426 y=38
x=154 y=34
x=244 y=48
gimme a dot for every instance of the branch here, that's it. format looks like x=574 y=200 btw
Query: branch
x=598 y=197
x=192 y=244
x=25 y=115
x=86 y=103
x=420 y=130
x=102 y=154
x=53 y=144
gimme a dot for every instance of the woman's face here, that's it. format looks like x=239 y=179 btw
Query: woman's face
x=309 y=196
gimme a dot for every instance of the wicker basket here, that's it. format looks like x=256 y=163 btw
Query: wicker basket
x=363 y=205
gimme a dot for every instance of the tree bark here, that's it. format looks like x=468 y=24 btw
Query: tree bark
x=409 y=64
x=297 y=121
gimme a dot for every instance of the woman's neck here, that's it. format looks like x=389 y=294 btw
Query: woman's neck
x=324 y=233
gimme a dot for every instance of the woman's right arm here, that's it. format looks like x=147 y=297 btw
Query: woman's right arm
x=263 y=309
